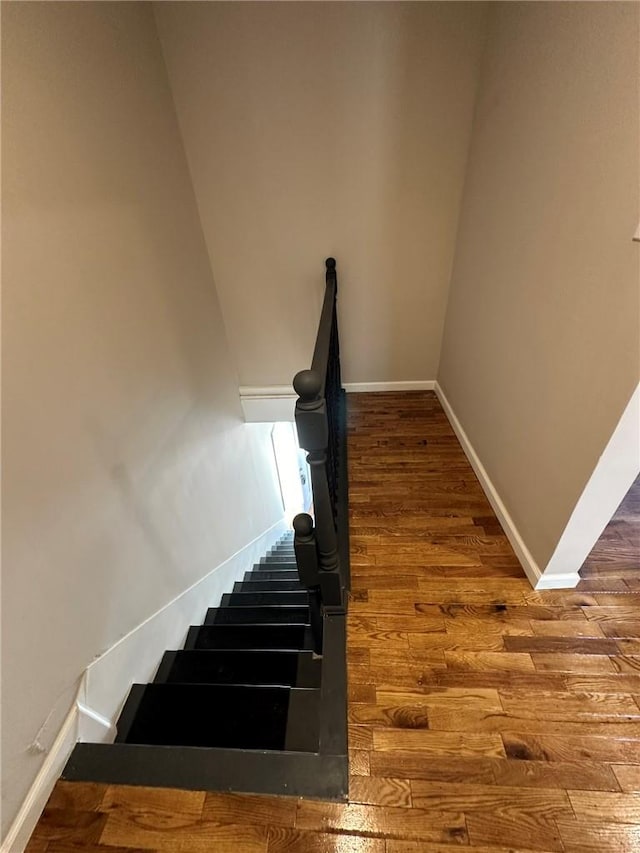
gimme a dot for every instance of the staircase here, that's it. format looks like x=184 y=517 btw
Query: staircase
x=256 y=700
x=247 y=705
x=246 y=679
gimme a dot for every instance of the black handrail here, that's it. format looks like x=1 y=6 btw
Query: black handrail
x=322 y=543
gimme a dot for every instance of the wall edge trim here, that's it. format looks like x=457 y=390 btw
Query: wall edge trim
x=612 y=477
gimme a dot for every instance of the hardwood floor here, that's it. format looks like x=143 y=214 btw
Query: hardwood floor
x=482 y=713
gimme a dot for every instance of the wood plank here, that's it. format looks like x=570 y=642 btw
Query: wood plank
x=438 y=743
x=73 y=847
x=564 y=628
x=497 y=828
x=360 y=737
x=611 y=613
x=514 y=662
x=383 y=821
x=162 y=807
x=572 y=663
x=561 y=645
x=476 y=720
x=594 y=836
x=80 y=796
x=394 y=846
x=359 y=764
x=461 y=697
x=447 y=768
x=610 y=808
x=598 y=683
x=361 y=693
x=297 y=841
x=380 y=791
x=551 y=747
x=510 y=612
x=571 y=705
x=628 y=776
x=249 y=808
x=583 y=775
x=489 y=642
x=195 y=837
x=398 y=716
x=70 y=825
x=545 y=803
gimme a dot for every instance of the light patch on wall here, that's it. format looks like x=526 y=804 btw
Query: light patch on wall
x=292 y=468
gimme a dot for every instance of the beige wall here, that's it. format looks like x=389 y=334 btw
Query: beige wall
x=127 y=472
x=541 y=346
x=327 y=128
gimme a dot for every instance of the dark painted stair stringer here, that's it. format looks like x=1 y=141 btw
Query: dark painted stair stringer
x=245 y=706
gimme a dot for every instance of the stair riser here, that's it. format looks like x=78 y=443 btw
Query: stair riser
x=271 y=576
x=286 y=637
x=265 y=599
x=285 y=558
x=293 y=669
x=235 y=615
x=215 y=716
x=268 y=586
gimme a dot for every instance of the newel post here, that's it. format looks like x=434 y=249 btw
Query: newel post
x=313 y=434
x=306 y=550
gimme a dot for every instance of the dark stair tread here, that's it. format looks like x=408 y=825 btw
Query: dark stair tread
x=265 y=599
x=250 y=636
x=237 y=615
x=268 y=585
x=240 y=666
x=293 y=774
x=236 y=717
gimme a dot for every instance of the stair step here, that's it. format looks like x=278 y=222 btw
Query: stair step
x=275 y=575
x=229 y=716
x=284 y=558
x=268 y=586
x=277 y=566
x=255 y=636
x=240 y=666
x=281 y=614
x=281 y=552
x=264 y=599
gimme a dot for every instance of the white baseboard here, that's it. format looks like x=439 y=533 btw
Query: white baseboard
x=530 y=566
x=134 y=658
x=567 y=580
x=270 y=404
x=377 y=387
x=31 y=809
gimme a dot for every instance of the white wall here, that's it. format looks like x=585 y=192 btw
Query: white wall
x=541 y=351
x=327 y=128
x=128 y=473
